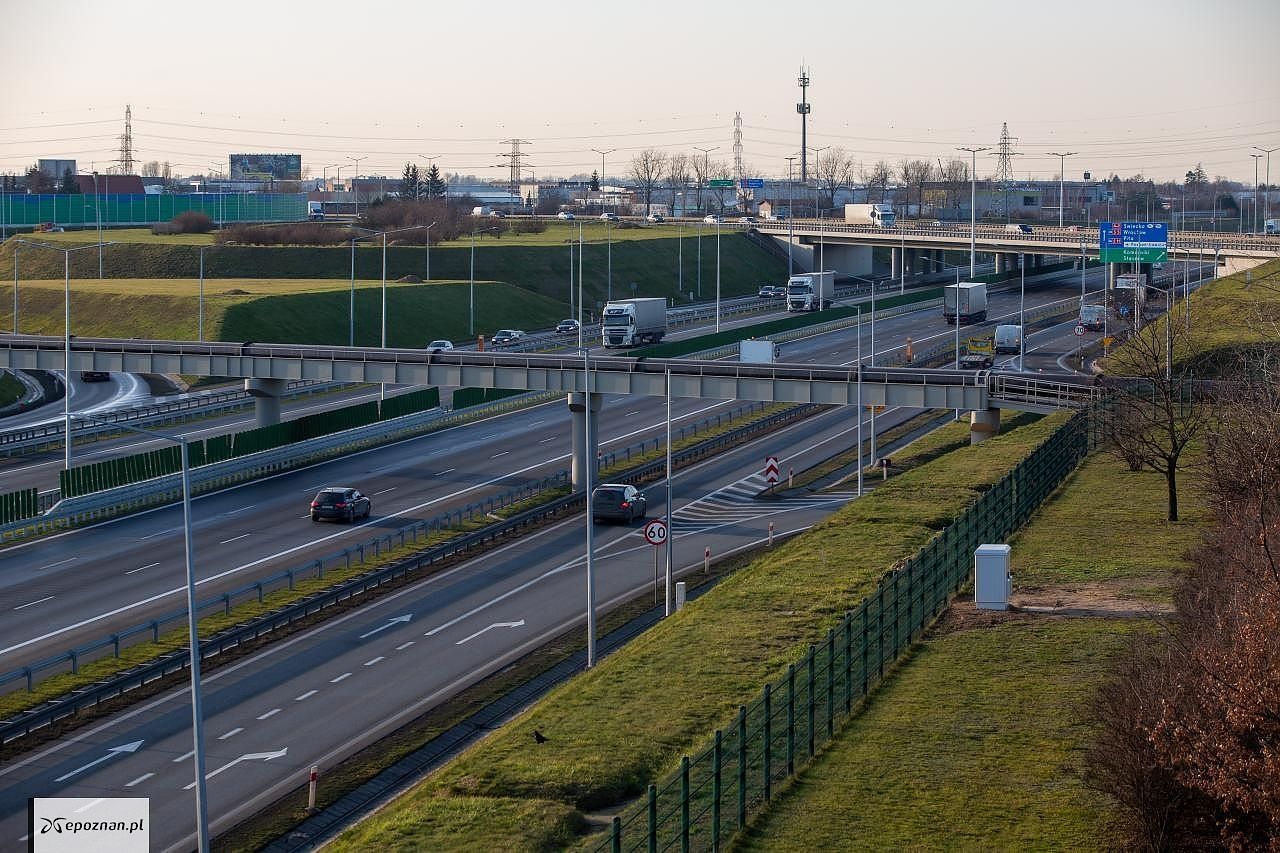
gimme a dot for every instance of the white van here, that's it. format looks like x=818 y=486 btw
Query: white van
x=482 y=210
x=1008 y=338
x=1018 y=228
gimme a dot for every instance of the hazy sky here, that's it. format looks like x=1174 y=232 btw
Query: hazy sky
x=1150 y=87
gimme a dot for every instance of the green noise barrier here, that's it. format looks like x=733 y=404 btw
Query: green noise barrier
x=15 y=506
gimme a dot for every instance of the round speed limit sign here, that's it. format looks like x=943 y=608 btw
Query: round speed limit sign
x=1080 y=330
x=655 y=532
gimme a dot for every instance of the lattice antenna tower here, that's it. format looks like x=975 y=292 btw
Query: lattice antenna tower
x=737 y=156
x=126 y=143
x=1004 y=165
x=515 y=164
x=804 y=108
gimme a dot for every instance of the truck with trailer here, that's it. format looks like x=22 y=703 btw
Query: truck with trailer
x=631 y=322
x=811 y=291
x=966 y=300
x=879 y=215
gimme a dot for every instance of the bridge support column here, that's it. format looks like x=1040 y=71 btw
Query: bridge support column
x=266 y=394
x=997 y=261
x=895 y=263
x=983 y=425
x=937 y=261
x=584 y=445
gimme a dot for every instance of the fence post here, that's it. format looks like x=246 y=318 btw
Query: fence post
x=717 y=757
x=742 y=766
x=791 y=719
x=866 y=640
x=880 y=633
x=768 y=741
x=653 y=819
x=831 y=682
x=616 y=833
x=896 y=574
x=813 y=704
x=848 y=662
x=684 y=804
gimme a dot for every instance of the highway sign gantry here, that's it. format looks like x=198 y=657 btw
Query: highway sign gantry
x=1133 y=242
x=655 y=532
x=771 y=469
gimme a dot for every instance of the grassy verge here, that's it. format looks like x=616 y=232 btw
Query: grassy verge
x=10 y=389
x=977 y=741
x=627 y=721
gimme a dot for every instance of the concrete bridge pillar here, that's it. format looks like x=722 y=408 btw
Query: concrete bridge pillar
x=895 y=263
x=937 y=261
x=266 y=394
x=998 y=262
x=983 y=425
x=585 y=445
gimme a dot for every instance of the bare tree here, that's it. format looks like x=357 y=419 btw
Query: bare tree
x=954 y=175
x=833 y=172
x=917 y=173
x=878 y=175
x=677 y=175
x=151 y=169
x=720 y=171
x=698 y=165
x=647 y=169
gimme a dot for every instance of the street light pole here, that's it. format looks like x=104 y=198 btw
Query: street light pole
x=97 y=207
x=790 y=216
x=859 y=310
x=351 y=309
x=1256 y=158
x=1267 y=151
x=973 y=222
x=354 y=192
x=602 y=171
x=717 y=274
x=587 y=475
x=1022 y=300
x=1062 y=166
x=670 y=521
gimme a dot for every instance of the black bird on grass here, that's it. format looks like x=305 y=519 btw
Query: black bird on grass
x=539 y=737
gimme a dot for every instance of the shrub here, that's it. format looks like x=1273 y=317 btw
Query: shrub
x=291 y=234
x=193 y=222
x=528 y=226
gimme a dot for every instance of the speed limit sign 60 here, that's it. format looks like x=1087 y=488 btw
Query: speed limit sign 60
x=655 y=532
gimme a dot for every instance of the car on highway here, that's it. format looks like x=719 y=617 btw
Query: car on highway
x=609 y=217
x=936 y=223
x=95 y=376
x=655 y=217
x=567 y=327
x=439 y=346
x=1018 y=228
x=713 y=219
x=772 y=291
x=748 y=220
x=565 y=215
x=497 y=214
x=506 y=337
x=341 y=503
x=618 y=502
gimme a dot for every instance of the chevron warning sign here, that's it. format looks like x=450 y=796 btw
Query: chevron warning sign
x=771 y=469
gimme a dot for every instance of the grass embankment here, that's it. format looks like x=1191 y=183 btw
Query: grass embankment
x=10 y=389
x=648 y=257
x=276 y=310
x=977 y=741
x=614 y=729
x=1235 y=312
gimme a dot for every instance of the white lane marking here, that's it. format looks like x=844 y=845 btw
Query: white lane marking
x=384 y=491
x=545 y=440
x=157 y=533
x=502 y=453
x=375 y=660
x=184 y=757
x=237 y=511
x=306 y=695
x=404 y=646
x=269 y=714
x=447 y=471
x=234 y=539
x=231 y=733
x=344 y=675
x=34 y=603
x=490 y=628
x=144 y=777
x=629 y=414
x=181 y=590
x=140 y=568
x=60 y=563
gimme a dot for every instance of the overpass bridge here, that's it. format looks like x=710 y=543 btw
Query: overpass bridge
x=266 y=368
x=919 y=247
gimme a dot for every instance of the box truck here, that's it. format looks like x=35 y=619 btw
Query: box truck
x=970 y=297
x=880 y=215
x=811 y=291
x=757 y=351
x=630 y=322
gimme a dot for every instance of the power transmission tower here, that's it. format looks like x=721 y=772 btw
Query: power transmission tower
x=803 y=108
x=1004 y=167
x=126 y=143
x=515 y=163
x=737 y=158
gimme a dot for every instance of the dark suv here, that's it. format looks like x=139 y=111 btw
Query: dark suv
x=618 y=502
x=340 y=504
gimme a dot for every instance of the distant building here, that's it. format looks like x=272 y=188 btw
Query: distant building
x=110 y=184
x=55 y=169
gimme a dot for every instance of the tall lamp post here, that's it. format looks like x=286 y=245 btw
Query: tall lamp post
x=97 y=208
x=193 y=628
x=587 y=480
x=973 y=222
x=1062 y=166
x=602 y=154
x=355 y=161
x=790 y=216
x=1267 y=151
x=1256 y=158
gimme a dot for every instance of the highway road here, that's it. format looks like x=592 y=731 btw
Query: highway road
x=313 y=699
x=123 y=389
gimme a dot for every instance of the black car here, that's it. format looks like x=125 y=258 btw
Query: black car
x=567 y=327
x=341 y=504
x=618 y=502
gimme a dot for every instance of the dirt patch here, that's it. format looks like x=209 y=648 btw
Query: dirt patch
x=235 y=291
x=1113 y=600
x=409 y=279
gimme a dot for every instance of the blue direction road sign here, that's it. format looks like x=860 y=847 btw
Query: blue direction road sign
x=753 y=183
x=1133 y=242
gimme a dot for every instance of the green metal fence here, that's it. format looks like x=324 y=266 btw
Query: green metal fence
x=15 y=506
x=85 y=210
x=465 y=397
x=86 y=479
x=714 y=793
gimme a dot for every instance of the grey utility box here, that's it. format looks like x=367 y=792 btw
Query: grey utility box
x=992 y=583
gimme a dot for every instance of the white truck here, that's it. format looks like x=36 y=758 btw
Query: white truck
x=880 y=215
x=1130 y=293
x=969 y=297
x=811 y=291
x=630 y=322
x=481 y=210
x=755 y=351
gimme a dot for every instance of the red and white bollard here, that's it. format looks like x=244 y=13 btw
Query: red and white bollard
x=311 y=788
x=771 y=534
x=706 y=561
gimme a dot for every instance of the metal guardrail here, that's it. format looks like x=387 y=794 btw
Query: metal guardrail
x=24 y=723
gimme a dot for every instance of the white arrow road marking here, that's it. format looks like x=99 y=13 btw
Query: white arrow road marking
x=248 y=756
x=494 y=625
x=111 y=753
x=399 y=620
